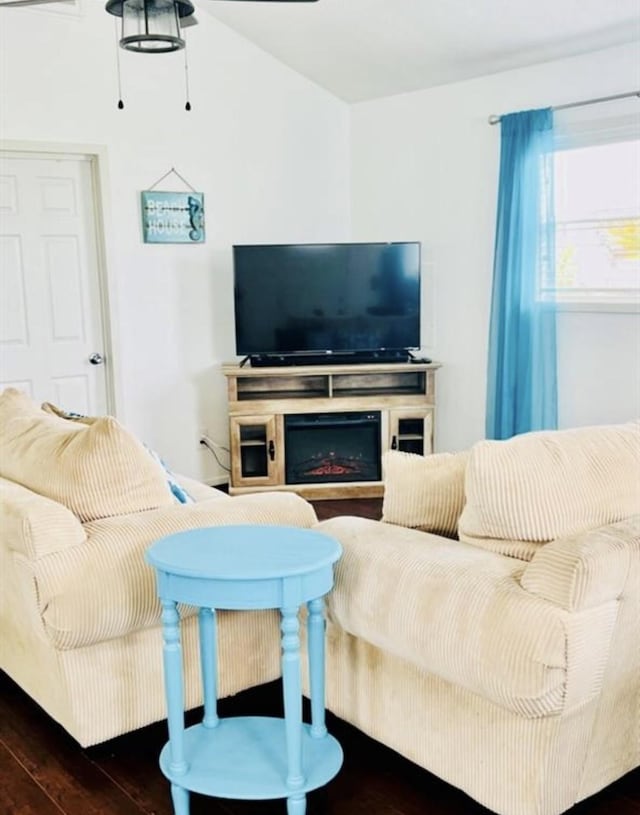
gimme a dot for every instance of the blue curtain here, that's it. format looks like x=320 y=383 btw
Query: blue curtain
x=522 y=372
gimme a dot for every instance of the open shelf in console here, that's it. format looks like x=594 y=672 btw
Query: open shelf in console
x=263 y=386
x=389 y=382
x=331 y=382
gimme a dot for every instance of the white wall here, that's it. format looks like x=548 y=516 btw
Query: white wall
x=424 y=167
x=271 y=152
x=269 y=149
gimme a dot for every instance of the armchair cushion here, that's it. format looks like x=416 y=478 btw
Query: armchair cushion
x=96 y=470
x=537 y=487
x=424 y=492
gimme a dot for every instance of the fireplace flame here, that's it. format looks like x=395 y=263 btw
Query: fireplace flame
x=329 y=465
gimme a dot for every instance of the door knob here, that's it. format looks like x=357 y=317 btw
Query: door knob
x=96 y=359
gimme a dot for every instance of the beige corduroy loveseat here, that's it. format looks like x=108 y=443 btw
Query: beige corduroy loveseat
x=506 y=662
x=80 y=625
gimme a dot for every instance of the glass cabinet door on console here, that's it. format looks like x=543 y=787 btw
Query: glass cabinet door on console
x=411 y=430
x=255 y=451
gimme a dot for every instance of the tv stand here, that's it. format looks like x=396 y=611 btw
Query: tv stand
x=274 y=413
x=384 y=356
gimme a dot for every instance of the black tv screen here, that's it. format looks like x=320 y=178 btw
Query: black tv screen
x=339 y=297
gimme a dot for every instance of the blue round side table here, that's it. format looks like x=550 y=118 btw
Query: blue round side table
x=246 y=567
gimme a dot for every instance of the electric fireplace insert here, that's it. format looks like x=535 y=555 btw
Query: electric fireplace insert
x=332 y=447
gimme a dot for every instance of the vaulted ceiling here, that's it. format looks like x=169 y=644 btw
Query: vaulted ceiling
x=364 y=49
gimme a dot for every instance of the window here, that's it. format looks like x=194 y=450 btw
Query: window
x=597 y=210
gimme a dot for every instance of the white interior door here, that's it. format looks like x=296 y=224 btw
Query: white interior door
x=51 y=332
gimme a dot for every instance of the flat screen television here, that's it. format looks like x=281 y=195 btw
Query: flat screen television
x=338 y=298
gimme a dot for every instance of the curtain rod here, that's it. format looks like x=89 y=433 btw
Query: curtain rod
x=493 y=120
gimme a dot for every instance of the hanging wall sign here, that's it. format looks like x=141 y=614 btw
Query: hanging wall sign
x=172 y=217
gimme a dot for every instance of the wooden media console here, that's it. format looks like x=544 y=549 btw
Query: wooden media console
x=321 y=430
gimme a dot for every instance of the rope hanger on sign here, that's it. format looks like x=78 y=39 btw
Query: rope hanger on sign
x=168 y=173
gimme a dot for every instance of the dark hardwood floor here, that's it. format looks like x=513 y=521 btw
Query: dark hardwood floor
x=43 y=771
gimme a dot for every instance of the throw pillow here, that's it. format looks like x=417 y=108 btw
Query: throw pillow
x=16 y=402
x=96 y=470
x=178 y=492
x=537 y=487
x=424 y=492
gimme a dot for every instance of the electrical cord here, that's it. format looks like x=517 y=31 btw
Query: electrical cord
x=211 y=446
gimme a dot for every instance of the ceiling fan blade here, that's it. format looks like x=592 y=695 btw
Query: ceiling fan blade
x=187 y=22
x=8 y=3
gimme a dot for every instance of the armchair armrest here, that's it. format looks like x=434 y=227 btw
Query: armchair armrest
x=106 y=589
x=199 y=491
x=33 y=525
x=584 y=570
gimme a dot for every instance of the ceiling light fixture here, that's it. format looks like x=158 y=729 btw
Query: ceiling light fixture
x=151 y=26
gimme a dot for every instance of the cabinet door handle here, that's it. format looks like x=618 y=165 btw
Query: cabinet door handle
x=272 y=450
x=394 y=443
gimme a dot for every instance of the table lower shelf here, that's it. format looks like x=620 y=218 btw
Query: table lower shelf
x=245 y=757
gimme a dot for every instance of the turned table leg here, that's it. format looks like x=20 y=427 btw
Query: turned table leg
x=315 y=638
x=292 y=689
x=172 y=658
x=208 y=664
